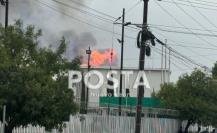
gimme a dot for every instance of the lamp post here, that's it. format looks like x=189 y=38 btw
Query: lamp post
x=123 y=24
x=88 y=52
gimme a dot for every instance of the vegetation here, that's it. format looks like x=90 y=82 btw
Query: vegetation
x=194 y=96
x=33 y=85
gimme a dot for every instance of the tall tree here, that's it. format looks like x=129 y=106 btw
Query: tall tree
x=214 y=71
x=194 y=96
x=33 y=85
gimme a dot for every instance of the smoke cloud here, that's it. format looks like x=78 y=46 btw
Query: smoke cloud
x=53 y=24
x=77 y=44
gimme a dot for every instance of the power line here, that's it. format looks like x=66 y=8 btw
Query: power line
x=191 y=50
x=112 y=17
x=187 y=33
x=178 y=66
x=172 y=61
x=187 y=46
x=204 y=16
x=83 y=11
x=181 y=56
x=82 y=21
x=102 y=13
x=207 y=1
x=134 y=6
x=201 y=7
x=99 y=12
x=204 y=3
x=185 y=57
x=53 y=8
x=195 y=20
x=198 y=55
x=178 y=53
x=128 y=10
x=92 y=14
x=182 y=42
x=206 y=55
x=176 y=27
x=204 y=40
x=185 y=62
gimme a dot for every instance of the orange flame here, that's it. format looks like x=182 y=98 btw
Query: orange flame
x=102 y=57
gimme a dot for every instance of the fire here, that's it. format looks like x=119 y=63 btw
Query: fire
x=102 y=57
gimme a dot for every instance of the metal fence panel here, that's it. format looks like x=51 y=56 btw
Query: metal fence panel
x=116 y=124
x=108 y=124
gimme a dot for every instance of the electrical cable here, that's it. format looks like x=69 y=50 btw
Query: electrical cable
x=81 y=21
x=128 y=10
x=206 y=58
x=204 y=3
x=99 y=12
x=185 y=57
x=187 y=33
x=204 y=16
x=204 y=40
x=172 y=61
x=195 y=20
x=201 y=7
x=175 y=27
x=186 y=46
x=83 y=11
x=190 y=43
x=178 y=53
x=134 y=6
x=91 y=14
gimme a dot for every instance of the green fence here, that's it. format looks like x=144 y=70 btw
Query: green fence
x=129 y=102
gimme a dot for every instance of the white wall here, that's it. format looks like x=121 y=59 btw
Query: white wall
x=154 y=80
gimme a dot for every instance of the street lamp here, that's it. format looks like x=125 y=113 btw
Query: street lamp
x=88 y=52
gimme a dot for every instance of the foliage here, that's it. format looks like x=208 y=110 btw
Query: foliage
x=33 y=85
x=214 y=71
x=194 y=96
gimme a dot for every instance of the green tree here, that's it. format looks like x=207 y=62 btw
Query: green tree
x=33 y=84
x=214 y=71
x=194 y=96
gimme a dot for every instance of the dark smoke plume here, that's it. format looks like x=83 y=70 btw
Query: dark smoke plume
x=77 y=44
x=53 y=24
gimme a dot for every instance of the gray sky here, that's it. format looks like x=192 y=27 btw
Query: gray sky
x=57 y=20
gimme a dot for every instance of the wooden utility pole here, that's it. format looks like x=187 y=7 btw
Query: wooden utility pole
x=6 y=13
x=122 y=54
x=165 y=65
x=6 y=4
x=140 y=92
x=162 y=61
